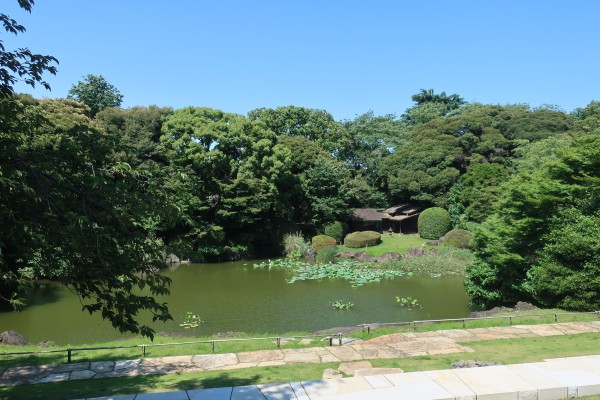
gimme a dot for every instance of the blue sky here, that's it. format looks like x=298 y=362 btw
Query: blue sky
x=347 y=57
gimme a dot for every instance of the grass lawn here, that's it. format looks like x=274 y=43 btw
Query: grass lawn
x=160 y=351
x=519 y=318
x=505 y=351
x=394 y=243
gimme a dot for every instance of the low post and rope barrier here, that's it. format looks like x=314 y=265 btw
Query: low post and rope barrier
x=328 y=337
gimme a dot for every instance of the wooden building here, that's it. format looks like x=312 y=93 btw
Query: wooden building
x=399 y=219
x=365 y=219
x=402 y=218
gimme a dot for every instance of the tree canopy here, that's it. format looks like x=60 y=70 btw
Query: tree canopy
x=96 y=93
x=57 y=174
x=21 y=64
x=541 y=242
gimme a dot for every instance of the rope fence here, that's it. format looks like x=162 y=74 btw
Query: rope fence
x=332 y=339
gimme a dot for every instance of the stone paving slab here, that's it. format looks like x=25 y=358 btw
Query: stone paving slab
x=495 y=382
x=277 y=391
x=260 y=356
x=223 y=393
x=181 y=395
x=542 y=330
x=547 y=387
x=125 y=397
x=345 y=353
x=350 y=368
x=377 y=371
x=102 y=366
x=448 y=380
x=55 y=378
x=293 y=357
x=378 y=381
x=213 y=361
x=580 y=374
x=250 y=392
x=334 y=387
x=299 y=391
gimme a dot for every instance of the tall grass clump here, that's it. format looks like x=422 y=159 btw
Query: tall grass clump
x=445 y=260
x=295 y=246
x=327 y=254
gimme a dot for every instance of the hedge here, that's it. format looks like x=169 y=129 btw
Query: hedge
x=336 y=230
x=320 y=241
x=362 y=239
x=458 y=238
x=433 y=223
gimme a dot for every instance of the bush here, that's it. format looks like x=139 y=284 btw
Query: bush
x=362 y=239
x=336 y=230
x=433 y=223
x=295 y=246
x=458 y=238
x=320 y=241
x=327 y=254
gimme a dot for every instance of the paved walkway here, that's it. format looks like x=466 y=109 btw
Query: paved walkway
x=390 y=346
x=552 y=379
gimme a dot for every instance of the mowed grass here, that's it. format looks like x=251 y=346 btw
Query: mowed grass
x=532 y=317
x=506 y=351
x=395 y=243
x=228 y=345
x=262 y=342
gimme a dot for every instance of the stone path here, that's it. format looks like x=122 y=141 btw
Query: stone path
x=398 y=345
x=552 y=379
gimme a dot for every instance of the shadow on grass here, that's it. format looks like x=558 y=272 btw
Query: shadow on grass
x=222 y=380
x=123 y=386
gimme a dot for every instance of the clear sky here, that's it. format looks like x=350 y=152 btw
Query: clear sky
x=347 y=57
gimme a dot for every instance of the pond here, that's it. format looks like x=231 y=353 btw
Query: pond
x=235 y=297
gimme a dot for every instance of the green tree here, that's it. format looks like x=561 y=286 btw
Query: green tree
x=22 y=64
x=372 y=138
x=326 y=187
x=473 y=197
x=96 y=93
x=69 y=213
x=429 y=105
x=228 y=177
x=567 y=274
x=588 y=118
x=534 y=230
x=316 y=125
x=139 y=130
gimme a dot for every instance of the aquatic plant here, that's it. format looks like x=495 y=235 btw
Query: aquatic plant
x=358 y=273
x=191 y=320
x=342 y=305
x=408 y=302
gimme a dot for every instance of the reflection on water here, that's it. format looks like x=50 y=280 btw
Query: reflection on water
x=236 y=297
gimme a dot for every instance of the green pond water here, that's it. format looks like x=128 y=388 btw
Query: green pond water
x=235 y=297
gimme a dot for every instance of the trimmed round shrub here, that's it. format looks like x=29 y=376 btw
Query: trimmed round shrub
x=327 y=254
x=362 y=239
x=433 y=223
x=458 y=238
x=336 y=230
x=320 y=241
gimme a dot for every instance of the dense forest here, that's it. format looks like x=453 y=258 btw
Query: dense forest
x=94 y=195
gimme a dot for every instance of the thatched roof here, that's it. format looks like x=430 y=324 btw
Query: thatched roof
x=408 y=209
x=402 y=217
x=366 y=215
